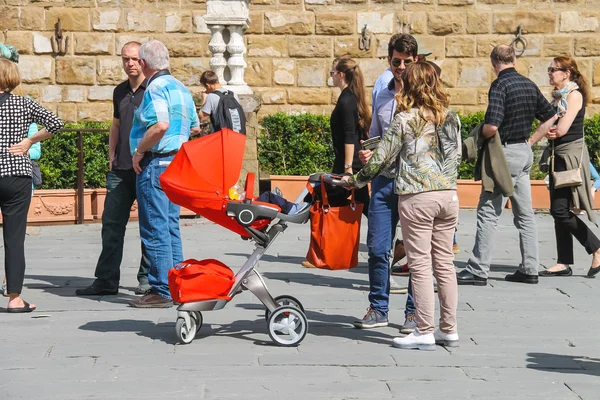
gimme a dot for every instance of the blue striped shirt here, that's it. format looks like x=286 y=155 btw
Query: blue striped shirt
x=165 y=100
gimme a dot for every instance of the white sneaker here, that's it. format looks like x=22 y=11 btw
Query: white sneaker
x=415 y=341
x=410 y=324
x=446 y=339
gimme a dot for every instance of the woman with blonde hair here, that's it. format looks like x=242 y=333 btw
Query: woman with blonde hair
x=17 y=113
x=570 y=96
x=424 y=142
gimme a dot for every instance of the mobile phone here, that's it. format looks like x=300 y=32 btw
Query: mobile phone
x=371 y=144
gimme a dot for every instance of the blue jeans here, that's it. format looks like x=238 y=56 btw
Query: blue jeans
x=383 y=219
x=120 y=195
x=159 y=224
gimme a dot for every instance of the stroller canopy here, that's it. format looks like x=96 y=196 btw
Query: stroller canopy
x=200 y=175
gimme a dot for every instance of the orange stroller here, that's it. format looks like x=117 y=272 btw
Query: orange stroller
x=199 y=178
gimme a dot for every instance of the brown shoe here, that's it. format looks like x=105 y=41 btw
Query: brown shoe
x=151 y=300
x=306 y=264
x=455 y=248
x=399 y=252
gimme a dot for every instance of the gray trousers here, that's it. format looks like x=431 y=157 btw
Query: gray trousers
x=519 y=158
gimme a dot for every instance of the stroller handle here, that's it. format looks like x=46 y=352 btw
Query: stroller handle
x=334 y=180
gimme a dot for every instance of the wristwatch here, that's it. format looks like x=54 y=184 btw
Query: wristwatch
x=347 y=166
x=137 y=153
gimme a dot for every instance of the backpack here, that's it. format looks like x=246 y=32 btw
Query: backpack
x=229 y=113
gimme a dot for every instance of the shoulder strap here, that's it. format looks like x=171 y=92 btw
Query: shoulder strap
x=3 y=97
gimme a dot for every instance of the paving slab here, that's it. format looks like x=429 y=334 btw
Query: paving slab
x=517 y=341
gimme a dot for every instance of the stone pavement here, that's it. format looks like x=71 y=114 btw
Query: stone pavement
x=517 y=341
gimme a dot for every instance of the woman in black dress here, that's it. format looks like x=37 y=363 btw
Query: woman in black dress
x=350 y=121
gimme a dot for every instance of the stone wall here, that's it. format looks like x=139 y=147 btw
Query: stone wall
x=290 y=44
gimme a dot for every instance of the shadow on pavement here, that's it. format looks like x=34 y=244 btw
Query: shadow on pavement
x=589 y=365
x=311 y=279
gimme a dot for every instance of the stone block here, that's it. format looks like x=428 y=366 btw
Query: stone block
x=67 y=112
x=31 y=18
x=178 y=21
x=272 y=95
x=382 y=45
x=446 y=23
x=359 y=1
x=76 y=70
x=377 y=22
x=106 y=19
x=71 y=19
x=262 y=2
x=478 y=22
x=485 y=44
x=434 y=44
x=187 y=45
x=75 y=95
x=586 y=46
x=473 y=73
x=496 y=2
x=348 y=46
x=317 y=5
x=460 y=46
x=259 y=72
x=109 y=71
x=189 y=70
x=456 y=3
x=284 y=72
x=449 y=71
x=574 y=21
x=337 y=23
x=198 y=22
x=463 y=96
x=596 y=76
x=51 y=94
x=419 y=4
x=116 y=3
x=372 y=68
x=10 y=18
x=123 y=39
x=257 y=23
x=538 y=70
x=87 y=112
x=556 y=46
x=416 y=22
x=307 y=47
x=36 y=69
x=22 y=41
x=308 y=96
x=101 y=93
x=312 y=73
x=289 y=23
x=94 y=43
x=534 y=46
x=267 y=46
x=144 y=21
x=537 y=21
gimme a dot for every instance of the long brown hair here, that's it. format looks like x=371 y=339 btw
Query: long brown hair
x=422 y=88
x=570 y=65
x=356 y=83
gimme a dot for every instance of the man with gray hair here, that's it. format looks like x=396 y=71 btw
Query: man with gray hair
x=513 y=103
x=161 y=124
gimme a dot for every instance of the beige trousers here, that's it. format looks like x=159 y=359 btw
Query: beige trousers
x=428 y=221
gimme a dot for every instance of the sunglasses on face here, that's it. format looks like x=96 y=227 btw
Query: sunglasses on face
x=332 y=72
x=397 y=61
x=554 y=69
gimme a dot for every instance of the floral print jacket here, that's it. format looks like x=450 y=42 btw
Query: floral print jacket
x=426 y=158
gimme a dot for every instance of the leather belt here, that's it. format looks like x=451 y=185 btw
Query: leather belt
x=513 y=141
x=159 y=155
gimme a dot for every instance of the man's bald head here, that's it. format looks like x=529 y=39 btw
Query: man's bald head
x=503 y=55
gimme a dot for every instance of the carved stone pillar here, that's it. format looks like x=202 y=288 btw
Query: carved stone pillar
x=217 y=47
x=233 y=16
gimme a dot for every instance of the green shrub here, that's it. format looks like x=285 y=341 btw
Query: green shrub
x=592 y=138
x=297 y=144
x=59 y=158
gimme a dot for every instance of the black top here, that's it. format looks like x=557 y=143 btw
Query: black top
x=345 y=130
x=513 y=103
x=575 y=130
x=16 y=115
x=125 y=102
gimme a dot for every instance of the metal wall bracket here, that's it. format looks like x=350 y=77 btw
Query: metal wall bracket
x=60 y=43
x=519 y=43
x=364 y=41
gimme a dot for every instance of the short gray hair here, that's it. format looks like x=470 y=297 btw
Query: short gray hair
x=155 y=54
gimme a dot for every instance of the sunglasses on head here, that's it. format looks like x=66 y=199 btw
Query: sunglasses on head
x=397 y=61
x=554 y=69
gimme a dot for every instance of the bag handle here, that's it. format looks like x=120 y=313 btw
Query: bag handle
x=580 y=157
x=325 y=200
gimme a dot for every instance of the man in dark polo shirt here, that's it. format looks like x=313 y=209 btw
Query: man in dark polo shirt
x=120 y=182
x=513 y=103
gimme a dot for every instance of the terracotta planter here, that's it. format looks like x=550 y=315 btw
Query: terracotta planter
x=540 y=196
x=98 y=206
x=290 y=185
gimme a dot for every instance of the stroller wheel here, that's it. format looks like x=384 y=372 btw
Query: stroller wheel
x=287 y=326
x=285 y=301
x=185 y=333
x=197 y=315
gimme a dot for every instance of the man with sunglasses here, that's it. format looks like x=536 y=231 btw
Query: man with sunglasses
x=383 y=208
x=120 y=182
x=514 y=102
